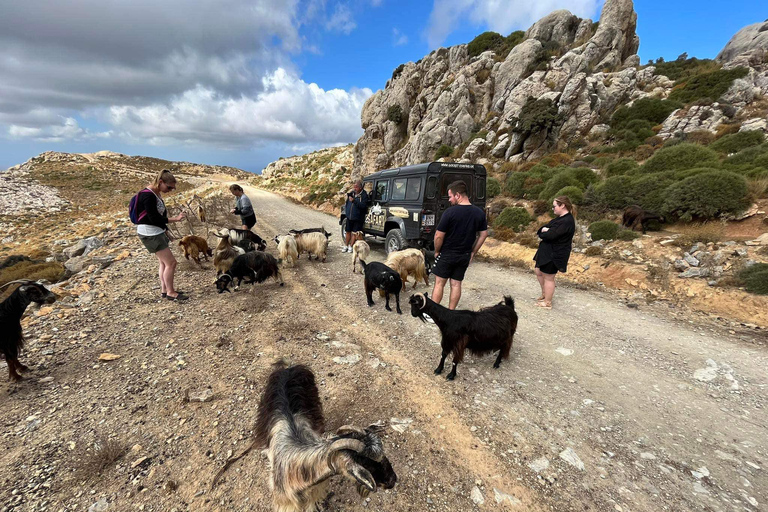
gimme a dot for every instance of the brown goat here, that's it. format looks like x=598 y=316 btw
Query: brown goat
x=194 y=246
x=634 y=215
x=408 y=262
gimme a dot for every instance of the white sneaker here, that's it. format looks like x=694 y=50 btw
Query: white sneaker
x=344 y=249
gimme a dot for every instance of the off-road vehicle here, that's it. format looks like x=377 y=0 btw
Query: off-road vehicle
x=407 y=202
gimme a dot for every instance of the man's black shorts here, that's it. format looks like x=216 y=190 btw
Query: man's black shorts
x=249 y=221
x=354 y=225
x=451 y=266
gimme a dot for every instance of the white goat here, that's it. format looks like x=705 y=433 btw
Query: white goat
x=286 y=249
x=312 y=243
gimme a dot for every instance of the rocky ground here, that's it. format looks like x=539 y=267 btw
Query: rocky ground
x=600 y=407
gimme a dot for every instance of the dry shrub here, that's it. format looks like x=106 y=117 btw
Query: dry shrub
x=528 y=240
x=593 y=251
x=32 y=270
x=38 y=254
x=541 y=207
x=660 y=276
x=104 y=453
x=702 y=233
x=504 y=234
x=702 y=137
x=556 y=159
x=526 y=166
x=758 y=188
x=644 y=152
x=727 y=129
x=508 y=167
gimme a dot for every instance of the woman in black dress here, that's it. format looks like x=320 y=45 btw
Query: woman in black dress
x=554 y=249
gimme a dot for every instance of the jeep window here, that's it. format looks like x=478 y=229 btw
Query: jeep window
x=449 y=178
x=398 y=190
x=431 y=187
x=413 y=190
x=480 y=191
x=381 y=190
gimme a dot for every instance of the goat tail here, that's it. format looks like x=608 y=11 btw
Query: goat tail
x=362 y=262
x=509 y=301
x=232 y=461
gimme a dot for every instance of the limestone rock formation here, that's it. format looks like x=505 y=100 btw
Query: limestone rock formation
x=749 y=45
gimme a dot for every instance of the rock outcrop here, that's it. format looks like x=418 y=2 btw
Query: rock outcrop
x=748 y=46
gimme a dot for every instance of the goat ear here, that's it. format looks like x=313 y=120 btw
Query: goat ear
x=362 y=476
x=426 y=295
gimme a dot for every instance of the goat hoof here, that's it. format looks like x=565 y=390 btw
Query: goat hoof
x=22 y=368
x=438 y=371
x=388 y=308
x=399 y=312
x=451 y=376
x=496 y=365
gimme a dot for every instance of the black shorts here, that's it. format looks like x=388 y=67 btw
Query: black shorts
x=451 y=266
x=354 y=225
x=547 y=268
x=249 y=221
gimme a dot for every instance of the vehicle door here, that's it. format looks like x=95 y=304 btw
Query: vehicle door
x=377 y=213
x=446 y=179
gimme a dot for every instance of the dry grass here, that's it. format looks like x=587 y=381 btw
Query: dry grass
x=593 y=251
x=33 y=270
x=95 y=459
x=703 y=233
x=758 y=188
x=528 y=240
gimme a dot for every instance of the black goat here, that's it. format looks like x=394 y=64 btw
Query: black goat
x=237 y=235
x=11 y=311
x=255 y=266
x=246 y=245
x=290 y=427
x=310 y=230
x=634 y=215
x=480 y=332
x=378 y=275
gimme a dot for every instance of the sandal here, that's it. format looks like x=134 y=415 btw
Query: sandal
x=164 y=295
x=544 y=304
x=540 y=299
x=179 y=297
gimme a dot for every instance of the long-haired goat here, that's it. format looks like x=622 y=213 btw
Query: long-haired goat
x=286 y=249
x=225 y=252
x=312 y=243
x=480 y=332
x=408 y=262
x=237 y=235
x=194 y=246
x=254 y=266
x=378 y=275
x=302 y=459
x=634 y=215
x=11 y=311
x=360 y=251
x=310 y=230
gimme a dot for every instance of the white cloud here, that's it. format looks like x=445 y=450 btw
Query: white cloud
x=286 y=109
x=398 y=38
x=499 y=16
x=341 y=20
x=67 y=129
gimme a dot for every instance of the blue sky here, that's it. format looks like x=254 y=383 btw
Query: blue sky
x=260 y=79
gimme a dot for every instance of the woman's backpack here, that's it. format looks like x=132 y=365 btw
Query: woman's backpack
x=134 y=205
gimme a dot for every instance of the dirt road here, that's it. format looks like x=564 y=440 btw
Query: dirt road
x=600 y=407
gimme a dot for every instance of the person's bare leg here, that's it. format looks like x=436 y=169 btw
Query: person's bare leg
x=166 y=257
x=161 y=274
x=437 y=290
x=540 y=278
x=549 y=287
x=455 y=294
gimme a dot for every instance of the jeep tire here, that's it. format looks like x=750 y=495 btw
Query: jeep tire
x=395 y=241
x=343 y=224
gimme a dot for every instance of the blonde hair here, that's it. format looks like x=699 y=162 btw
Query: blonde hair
x=166 y=177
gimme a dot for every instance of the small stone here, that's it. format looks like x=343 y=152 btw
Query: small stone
x=206 y=395
x=700 y=473
x=501 y=497
x=477 y=496
x=569 y=456
x=564 y=351
x=539 y=464
x=99 y=506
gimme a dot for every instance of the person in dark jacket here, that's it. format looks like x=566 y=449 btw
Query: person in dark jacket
x=243 y=207
x=554 y=249
x=356 y=209
x=153 y=230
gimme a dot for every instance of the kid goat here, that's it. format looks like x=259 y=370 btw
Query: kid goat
x=480 y=332
x=11 y=311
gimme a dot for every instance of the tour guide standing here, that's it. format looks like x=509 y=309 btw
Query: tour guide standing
x=356 y=208
x=459 y=235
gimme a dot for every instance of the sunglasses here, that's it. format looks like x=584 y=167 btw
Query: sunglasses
x=169 y=187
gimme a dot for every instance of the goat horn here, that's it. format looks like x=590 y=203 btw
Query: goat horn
x=23 y=281
x=344 y=429
x=347 y=444
x=423 y=298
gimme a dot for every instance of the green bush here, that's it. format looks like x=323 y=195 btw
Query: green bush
x=685 y=68
x=707 y=195
x=738 y=141
x=536 y=115
x=653 y=110
x=615 y=192
x=575 y=194
x=620 y=167
x=515 y=183
x=443 y=151
x=492 y=187
x=558 y=181
x=584 y=175
x=707 y=85
x=495 y=42
x=604 y=230
x=395 y=114
x=544 y=172
x=513 y=217
x=754 y=154
x=648 y=191
x=627 y=235
x=681 y=156
x=755 y=278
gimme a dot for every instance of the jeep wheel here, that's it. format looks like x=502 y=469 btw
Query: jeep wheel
x=395 y=241
x=343 y=230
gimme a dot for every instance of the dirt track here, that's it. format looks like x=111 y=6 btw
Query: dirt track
x=645 y=402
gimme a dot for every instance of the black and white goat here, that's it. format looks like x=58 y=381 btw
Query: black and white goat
x=302 y=459
x=480 y=332
x=11 y=311
x=237 y=235
x=255 y=266
x=310 y=230
x=381 y=277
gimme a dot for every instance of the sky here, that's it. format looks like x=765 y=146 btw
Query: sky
x=244 y=82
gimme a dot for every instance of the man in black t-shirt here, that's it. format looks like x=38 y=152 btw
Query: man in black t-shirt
x=459 y=235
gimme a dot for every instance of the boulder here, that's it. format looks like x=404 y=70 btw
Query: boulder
x=83 y=247
x=560 y=26
x=750 y=40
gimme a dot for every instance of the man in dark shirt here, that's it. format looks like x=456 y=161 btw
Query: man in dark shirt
x=459 y=235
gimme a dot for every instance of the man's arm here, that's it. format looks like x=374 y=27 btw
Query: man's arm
x=478 y=244
x=439 y=237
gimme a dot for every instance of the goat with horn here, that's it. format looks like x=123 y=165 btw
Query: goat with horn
x=303 y=460
x=11 y=311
